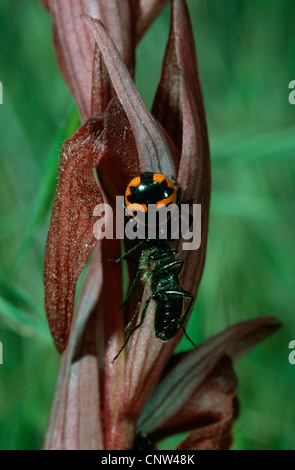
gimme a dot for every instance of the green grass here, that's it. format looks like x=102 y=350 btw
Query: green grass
x=246 y=59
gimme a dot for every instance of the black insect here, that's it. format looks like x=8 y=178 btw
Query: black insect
x=158 y=267
x=159 y=270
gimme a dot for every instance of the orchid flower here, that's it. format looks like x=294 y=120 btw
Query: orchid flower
x=99 y=404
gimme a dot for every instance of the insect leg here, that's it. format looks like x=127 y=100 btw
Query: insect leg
x=147 y=302
x=163 y=254
x=170 y=265
x=183 y=318
x=125 y=255
x=131 y=289
x=136 y=311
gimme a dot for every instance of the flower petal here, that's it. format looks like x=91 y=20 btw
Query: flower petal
x=179 y=104
x=212 y=412
x=70 y=238
x=146 y=357
x=75 y=47
x=85 y=400
x=76 y=417
x=154 y=151
x=184 y=380
x=147 y=11
x=114 y=336
x=179 y=108
x=120 y=159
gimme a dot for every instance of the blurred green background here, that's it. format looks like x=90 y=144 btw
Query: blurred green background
x=246 y=59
